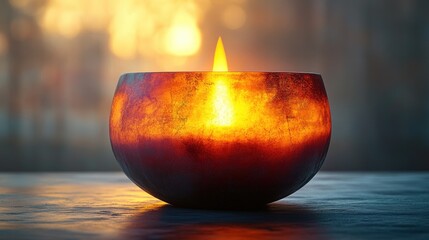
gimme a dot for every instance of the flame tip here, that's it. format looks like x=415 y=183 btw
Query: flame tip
x=220 y=63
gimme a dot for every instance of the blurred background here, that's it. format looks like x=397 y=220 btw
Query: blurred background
x=60 y=61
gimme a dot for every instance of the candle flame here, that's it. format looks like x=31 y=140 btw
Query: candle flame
x=219 y=63
x=223 y=110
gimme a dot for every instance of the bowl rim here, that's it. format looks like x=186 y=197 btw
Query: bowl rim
x=226 y=72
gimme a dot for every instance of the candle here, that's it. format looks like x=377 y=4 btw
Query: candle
x=220 y=139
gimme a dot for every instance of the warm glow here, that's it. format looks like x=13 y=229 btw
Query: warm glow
x=183 y=38
x=222 y=104
x=284 y=108
x=151 y=28
x=220 y=63
x=223 y=109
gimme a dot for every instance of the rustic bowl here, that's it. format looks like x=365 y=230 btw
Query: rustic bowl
x=271 y=138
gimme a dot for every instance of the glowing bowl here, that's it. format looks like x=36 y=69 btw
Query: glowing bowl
x=220 y=139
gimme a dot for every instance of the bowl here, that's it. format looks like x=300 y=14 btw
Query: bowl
x=220 y=139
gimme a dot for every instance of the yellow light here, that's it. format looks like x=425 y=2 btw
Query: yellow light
x=220 y=63
x=222 y=105
x=183 y=39
x=223 y=109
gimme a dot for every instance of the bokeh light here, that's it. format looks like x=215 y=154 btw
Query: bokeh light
x=135 y=28
x=183 y=38
x=234 y=17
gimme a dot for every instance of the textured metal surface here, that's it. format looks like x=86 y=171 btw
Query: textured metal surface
x=107 y=206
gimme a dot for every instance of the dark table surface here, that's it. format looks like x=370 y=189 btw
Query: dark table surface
x=108 y=205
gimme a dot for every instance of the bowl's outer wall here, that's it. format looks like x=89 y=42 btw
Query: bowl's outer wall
x=165 y=139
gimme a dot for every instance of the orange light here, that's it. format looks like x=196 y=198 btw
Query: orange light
x=221 y=106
